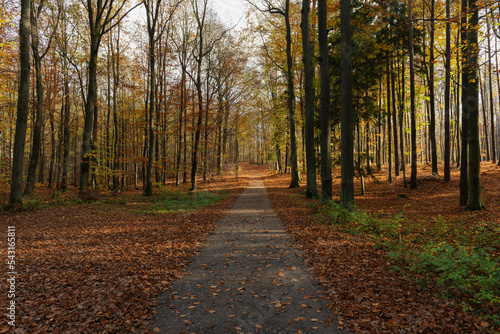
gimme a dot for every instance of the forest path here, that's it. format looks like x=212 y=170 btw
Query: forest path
x=248 y=279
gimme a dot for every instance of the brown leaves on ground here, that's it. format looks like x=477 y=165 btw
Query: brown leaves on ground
x=368 y=296
x=100 y=267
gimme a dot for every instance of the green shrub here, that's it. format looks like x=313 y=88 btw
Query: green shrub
x=383 y=231
x=469 y=270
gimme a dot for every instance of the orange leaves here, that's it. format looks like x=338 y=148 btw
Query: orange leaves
x=101 y=267
x=365 y=292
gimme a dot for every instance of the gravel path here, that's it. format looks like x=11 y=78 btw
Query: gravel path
x=248 y=279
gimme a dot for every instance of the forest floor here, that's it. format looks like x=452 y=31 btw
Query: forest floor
x=98 y=264
x=407 y=260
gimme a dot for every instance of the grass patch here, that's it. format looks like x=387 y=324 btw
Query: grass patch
x=177 y=201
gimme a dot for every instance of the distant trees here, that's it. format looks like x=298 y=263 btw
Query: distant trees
x=188 y=101
x=111 y=144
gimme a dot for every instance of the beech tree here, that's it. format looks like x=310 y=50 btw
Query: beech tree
x=311 y=191
x=38 y=56
x=284 y=10
x=103 y=15
x=16 y=188
x=326 y=164
x=413 y=180
x=347 y=138
x=156 y=25
x=472 y=100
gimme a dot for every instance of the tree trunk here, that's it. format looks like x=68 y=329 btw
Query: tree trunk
x=413 y=180
x=89 y=113
x=16 y=189
x=432 y=128
x=148 y=191
x=291 y=101
x=447 y=148
x=37 y=133
x=464 y=177
x=485 y=117
x=490 y=85
x=395 y=123
x=475 y=197
x=389 y=131
x=311 y=191
x=67 y=117
x=326 y=164
x=347 y=152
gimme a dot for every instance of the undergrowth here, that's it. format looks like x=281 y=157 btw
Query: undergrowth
x=177 y=201
x=461 y=261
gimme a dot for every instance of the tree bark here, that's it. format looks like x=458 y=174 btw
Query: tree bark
x=447 y=148
x=432 y=127
x=16 y=189
x=295 y=181
x=37 y=133
x=464 y=177
x=475 y=197
x=311 y=191
x=389 y=131
x=347 y=151
x=326 y=164
x=413 y=180
x=490 y=85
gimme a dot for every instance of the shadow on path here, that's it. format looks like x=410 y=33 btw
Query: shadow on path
x=248 y=279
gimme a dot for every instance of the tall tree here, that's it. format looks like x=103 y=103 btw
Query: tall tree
x=311 y=191
x=291 y=99
x=284 y=11
x=153 y=9
x=490 y=85
x=103 y=15
x=38 y=55
x=63 y=46
x=16 y=187
x=326 y=163
x=475 y=197
x=447 y=148
x=347 y=153
x=205 y=45
x=389 y=132
x=464 y=176
x=413 y=180
x=432 y=102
